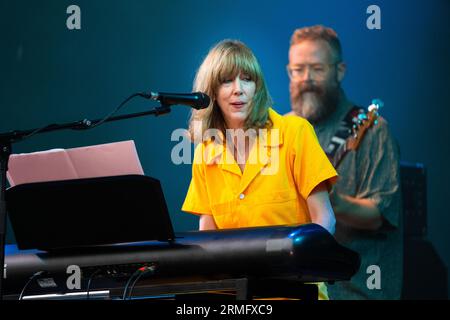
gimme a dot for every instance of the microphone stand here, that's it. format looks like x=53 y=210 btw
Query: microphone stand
x=8 y=138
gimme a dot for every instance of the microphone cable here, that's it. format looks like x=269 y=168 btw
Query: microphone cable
x=85 y=124
x=34 y=276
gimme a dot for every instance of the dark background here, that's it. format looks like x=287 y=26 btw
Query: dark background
x=51 y=74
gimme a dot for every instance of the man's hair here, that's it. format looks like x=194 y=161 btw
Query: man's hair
x=226 y=60
x=319 y=32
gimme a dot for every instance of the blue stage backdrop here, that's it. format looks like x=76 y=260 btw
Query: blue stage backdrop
x=51 y=74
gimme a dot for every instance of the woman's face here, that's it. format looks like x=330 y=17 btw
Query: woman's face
x=234 y=97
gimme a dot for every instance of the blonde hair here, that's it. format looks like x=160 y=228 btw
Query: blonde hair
x=226 y=60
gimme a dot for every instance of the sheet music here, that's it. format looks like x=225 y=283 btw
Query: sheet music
x=111 y=159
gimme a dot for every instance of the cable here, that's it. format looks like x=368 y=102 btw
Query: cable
x=150 y=269
x=37 y=131
x=87 y=124
x=138 y=273
x=129 y=281
x=89 y=282
x=34 y=276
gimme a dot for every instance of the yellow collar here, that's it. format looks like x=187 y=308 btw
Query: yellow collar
x=214 y=151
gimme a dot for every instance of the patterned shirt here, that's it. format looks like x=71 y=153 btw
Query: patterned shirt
x=372 y=172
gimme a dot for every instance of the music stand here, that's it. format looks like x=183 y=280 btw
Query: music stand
x=8 y=138
x=87 y=212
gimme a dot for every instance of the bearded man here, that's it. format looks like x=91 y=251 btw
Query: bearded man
x=366 y=199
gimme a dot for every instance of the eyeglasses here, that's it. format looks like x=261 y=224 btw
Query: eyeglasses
x=317 y=71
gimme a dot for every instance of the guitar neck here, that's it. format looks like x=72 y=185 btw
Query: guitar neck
x=359 y=131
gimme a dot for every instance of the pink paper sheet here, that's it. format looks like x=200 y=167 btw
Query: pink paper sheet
x=111 y=159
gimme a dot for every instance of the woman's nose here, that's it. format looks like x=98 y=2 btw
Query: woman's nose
x=237 y=86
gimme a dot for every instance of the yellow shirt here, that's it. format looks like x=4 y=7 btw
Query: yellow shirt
x=284 y=165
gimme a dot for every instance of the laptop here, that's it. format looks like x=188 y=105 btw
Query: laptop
x=84 y=197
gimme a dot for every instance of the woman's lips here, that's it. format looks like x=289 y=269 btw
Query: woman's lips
x=238 y=104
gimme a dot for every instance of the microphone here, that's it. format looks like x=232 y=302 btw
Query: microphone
x=197 y=100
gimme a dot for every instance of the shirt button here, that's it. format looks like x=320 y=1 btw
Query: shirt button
x=242 y=196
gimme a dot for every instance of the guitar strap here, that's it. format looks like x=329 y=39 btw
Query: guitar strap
x=344 y=131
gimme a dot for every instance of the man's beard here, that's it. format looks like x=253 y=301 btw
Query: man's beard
x=313 y=102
